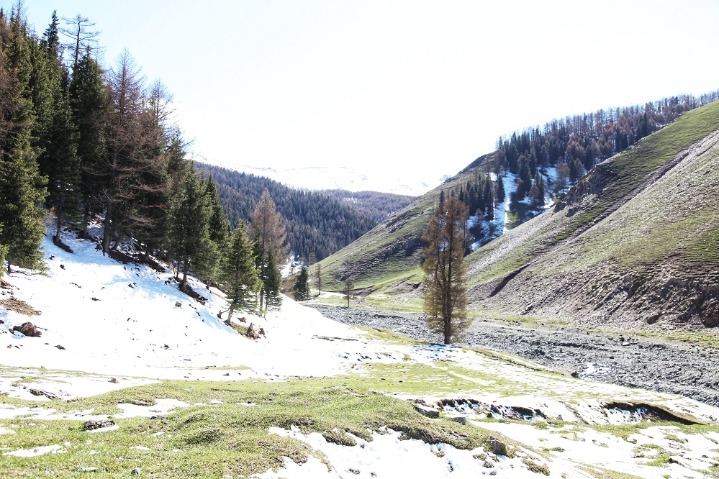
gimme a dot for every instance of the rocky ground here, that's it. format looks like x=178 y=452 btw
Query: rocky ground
x=660 y=365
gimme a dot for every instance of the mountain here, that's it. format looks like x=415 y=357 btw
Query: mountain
x=341 y=178
x=634 y=242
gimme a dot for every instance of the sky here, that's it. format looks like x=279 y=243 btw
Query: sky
x=415 y=87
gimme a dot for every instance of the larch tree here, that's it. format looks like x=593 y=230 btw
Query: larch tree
x=445 y=298
x=124 y=142
x=268 y=235
x=79 y=31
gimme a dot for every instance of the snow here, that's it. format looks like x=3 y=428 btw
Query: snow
x=133 y=335
x=36 y=451
x=390 y=456
x=131 y=322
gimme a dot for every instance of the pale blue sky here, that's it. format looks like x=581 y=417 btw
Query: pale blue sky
x=424 y=86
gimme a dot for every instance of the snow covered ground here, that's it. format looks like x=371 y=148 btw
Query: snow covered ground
x=107 y=326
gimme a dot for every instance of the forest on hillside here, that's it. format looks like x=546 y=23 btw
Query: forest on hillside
x=94 y=149
x=318 y=222
x=545 y=161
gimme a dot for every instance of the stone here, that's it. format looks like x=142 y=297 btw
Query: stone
x=496 y=446
x=97 y=424
x=28 y=329
x=426 y=410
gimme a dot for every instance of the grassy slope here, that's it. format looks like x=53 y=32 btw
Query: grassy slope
x=647 y=210
x=388 y=255
x=660 y=224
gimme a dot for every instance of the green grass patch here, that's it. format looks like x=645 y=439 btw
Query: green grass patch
x=229 y=439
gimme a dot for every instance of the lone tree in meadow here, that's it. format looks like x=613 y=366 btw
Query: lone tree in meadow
x=445 y=298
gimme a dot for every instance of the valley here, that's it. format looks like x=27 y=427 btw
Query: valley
x=683 y=365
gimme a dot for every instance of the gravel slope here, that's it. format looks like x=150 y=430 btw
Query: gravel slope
x=629 y=361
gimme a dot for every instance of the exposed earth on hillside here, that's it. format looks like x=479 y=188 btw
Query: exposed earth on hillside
x=629 y=360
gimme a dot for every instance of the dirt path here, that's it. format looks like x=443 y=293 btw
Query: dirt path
x=665 y=366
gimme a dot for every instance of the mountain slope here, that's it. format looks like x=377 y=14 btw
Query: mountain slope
x=317 y=225
x=635 y=239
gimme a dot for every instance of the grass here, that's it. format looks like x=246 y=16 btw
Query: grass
x=231 y=438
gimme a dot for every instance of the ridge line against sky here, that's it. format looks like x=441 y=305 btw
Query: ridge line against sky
x=414 y=88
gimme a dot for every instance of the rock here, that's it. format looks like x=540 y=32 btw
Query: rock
x=97 y=424
x=28 y=329
x=575 y=374
x=136 y=471
x=426 y=410
x=40 y=392
x=113 y=380
x=459 y=419
x=88 y=469
x=60 y=347
x=496 y=446
x=253 y=332
x=178 y=304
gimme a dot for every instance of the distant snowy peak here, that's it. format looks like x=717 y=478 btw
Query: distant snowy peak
x=332 y=178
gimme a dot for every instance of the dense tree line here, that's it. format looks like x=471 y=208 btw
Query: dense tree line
x=377 y=205
x=571 y=146
x=317 y=225
x=96 y=147
x=577 y=143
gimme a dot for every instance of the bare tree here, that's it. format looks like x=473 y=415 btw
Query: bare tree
x=78 y=30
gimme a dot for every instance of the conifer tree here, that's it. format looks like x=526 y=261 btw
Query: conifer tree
x=22 y=188
x=238 y=272
x=219 y=232
x=501 y=193
x=268 y=235
x=188 y=228
x=445 y=301
x=89 y=113
x=271 y=280
x=301 y=287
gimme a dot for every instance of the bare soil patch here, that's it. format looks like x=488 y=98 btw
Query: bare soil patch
x=19 y=306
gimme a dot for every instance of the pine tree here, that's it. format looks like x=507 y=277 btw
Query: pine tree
x=501 y=193
x=301 y=288
x=22 y=188
x=89 y=113
x=271 y=282
x=219 y=231
x=188 y=228
x=238 y=273
x=445 y=301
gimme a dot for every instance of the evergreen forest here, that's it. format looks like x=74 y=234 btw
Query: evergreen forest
x=318 y=223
